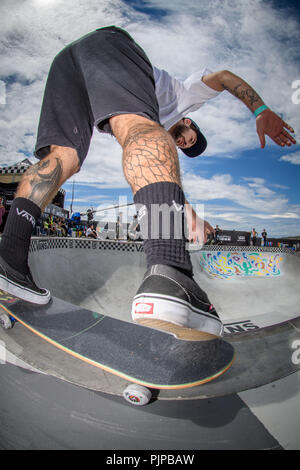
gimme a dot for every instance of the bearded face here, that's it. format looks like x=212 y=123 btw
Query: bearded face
x=183 y=135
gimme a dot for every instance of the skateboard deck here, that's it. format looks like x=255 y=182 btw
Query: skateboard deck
x=133 y=352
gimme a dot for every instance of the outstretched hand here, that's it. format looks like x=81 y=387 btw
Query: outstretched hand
x=198 y=229
x=269 y=123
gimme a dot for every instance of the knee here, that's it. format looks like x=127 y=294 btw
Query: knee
x=147 y=132
x=68 y=157
x=149 y=143
x=130 y=129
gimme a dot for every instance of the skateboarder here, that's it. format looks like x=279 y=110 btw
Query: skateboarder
x=106 y=80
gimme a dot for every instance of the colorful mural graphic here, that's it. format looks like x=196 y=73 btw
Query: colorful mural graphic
x=226 y=265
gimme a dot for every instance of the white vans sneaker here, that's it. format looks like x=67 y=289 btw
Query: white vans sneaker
x=171 y=301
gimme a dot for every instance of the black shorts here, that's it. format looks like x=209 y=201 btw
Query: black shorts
x=103 y=74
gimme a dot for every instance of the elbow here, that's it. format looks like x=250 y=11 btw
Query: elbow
x=224 y=77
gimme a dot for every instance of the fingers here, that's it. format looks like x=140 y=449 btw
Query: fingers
x=262 y=139
x=287 y=126
x=270 y=124
x=284 y=138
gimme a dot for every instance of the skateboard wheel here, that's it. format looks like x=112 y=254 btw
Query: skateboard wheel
x=5 y=321
x=137 y=395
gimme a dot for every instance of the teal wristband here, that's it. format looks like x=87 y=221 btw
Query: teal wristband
x=260 y=110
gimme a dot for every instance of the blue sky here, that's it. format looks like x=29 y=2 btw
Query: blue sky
x=239 y=185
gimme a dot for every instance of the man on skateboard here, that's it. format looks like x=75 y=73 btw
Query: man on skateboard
x=105 y=80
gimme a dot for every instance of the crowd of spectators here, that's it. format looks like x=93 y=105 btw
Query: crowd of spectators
x=54 y=226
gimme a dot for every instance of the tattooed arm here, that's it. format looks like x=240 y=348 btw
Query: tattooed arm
x=267 y=122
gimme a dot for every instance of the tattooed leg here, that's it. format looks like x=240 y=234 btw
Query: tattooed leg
x=149 y=152
x=41 y=182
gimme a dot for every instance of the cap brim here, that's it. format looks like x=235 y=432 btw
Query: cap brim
x=198 y=147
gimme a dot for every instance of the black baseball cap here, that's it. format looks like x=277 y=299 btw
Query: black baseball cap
x=200 y=144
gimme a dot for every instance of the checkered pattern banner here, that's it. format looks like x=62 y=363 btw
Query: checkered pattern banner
x=269 y=249
x=13 y=170
x=52 y=243
x=45 y=243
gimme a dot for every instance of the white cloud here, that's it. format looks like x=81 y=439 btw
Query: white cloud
x=225 y=217
x=293 y=158
x=243 y=205
x=253 y=195
x=250 y=38
x=284 y=215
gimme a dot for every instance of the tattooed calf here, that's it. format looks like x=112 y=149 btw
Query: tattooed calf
x=149 y=156
x=44 y=184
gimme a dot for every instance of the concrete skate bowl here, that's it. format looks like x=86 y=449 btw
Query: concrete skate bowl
x=255 y=292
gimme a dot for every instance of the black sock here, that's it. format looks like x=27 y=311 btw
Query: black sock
x=161 y=216
x=18 y=229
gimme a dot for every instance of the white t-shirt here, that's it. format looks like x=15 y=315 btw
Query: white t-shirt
x=89 y=232
x=177 y=98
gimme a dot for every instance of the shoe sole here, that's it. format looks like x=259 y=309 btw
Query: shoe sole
x=176 y=317
x=23 y=293
x=180 y=332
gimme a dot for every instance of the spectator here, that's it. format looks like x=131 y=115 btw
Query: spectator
x=210 y=238
x=216 y=233
x=134 y=230
x=264 y=237
x=53 y=228
x=58 y=227
x=253 y=237
x=91 y=232
x=39 y=227
x=50 y=226
x=46 y=227
x=63 y=227
x=119 y=227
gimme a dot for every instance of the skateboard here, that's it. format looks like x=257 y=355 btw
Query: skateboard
x=147 y=358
